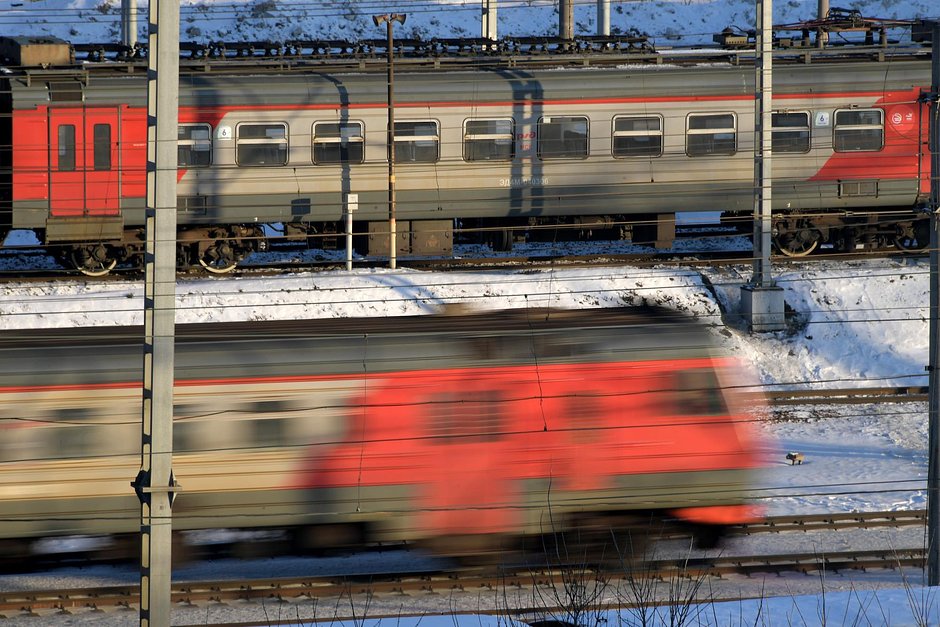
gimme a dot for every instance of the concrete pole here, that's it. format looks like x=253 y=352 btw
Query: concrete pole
x=603 y=18
x=489 y=20
x=933 y=367
x=822 y=37
x=763 y=144
x=566 y=19
x=129 y=22
x=155 y=485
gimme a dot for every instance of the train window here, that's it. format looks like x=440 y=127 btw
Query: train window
x=488 y=140
x=194 y=145
x=790 y=132
x=562 y=137
x=858 y=130
x=337 y=142
x=261 y=144
x=697 y=393
x=638 y=136
x=464 y=417
x=417 y=142
x=710 y=134
x=268 y=432
x=102 y=146
x=66 y=148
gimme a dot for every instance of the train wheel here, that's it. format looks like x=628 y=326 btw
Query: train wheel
x=795 y=242
x=93 y=260
x=219 y=257
x=912 y=236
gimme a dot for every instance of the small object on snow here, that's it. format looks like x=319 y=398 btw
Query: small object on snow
x=795 y=458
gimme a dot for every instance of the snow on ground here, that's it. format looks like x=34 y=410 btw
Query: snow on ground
x=667 y=22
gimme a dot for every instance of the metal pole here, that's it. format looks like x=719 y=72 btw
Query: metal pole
x=129 y=22
x=489 y=20
x=566 y=19
x=352 y=203
x=155 y=485
x=933 y=404
x=389 y=19
x=603 y=18
x=763 y=144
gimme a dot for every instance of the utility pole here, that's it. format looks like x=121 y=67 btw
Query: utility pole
x=762 y=301
x=933 y=367
x=155 y=485
x=566 y=19
x=822 y=37
x=389 y=19
x=603 y=18
x=489 y=20
x=129 y=22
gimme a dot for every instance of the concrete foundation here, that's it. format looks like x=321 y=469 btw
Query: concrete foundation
x=762 y=308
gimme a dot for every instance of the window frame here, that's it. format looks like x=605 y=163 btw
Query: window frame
x=614 y=134
x=857 y=128
x=191 y=142
x=410 y=141
x=66 y=149
x=566 y=154
x=262 y=141
x=342 y=139
x=491 y=139
x=775 y=130
x=714 y=132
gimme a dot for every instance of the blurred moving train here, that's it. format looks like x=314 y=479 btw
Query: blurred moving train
x=502 y=143
x=449 y=430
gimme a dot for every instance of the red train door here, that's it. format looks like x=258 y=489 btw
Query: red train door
x=83 y=164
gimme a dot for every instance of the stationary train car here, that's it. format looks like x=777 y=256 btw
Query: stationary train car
x=500 y=144
x=451 y=430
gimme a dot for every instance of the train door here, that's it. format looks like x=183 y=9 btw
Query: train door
x=83 y=164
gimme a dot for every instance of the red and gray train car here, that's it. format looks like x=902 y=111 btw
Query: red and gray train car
x=503 y=146
x=453 y=430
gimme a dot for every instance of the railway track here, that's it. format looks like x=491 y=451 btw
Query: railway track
x=847 y=396
x=297 y=590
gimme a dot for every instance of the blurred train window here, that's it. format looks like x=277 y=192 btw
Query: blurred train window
x=417 y=142
x=697 y=393
x=261 y=144
x=268 y=432
x=710 y=134
x=459 y=417
x=858 y=130
x=338 y=142
x=638 y=136
x=562 y=137
x=66 y=148
x=488 y=140
x=194 y=145
x=790 y=131
x=102 y=146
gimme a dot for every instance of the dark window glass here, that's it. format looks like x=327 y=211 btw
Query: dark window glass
x=194 y=145
x=858 y=130
x=790 y=132
x=66 y=148
x=261 y=144
x=638 y=137
x=102 y=146
x=563 y=138
x=711 y=134
x=488 y=140
x=416 y=142
x=338 y=142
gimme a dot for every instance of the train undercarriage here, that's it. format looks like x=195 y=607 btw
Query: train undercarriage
x=219 y=249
